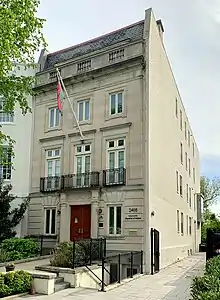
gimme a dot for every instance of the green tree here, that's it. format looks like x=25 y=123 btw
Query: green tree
x=9 y=218
x=211 y=221
x=210 y=190
x=21 y=36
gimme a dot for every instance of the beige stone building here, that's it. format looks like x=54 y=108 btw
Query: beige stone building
x=138 y=165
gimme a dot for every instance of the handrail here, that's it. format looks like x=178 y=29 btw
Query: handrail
x=95 y=275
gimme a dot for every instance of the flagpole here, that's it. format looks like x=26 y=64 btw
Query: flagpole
x=70 y=103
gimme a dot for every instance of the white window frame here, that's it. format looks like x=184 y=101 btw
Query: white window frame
x=178 y=221
x=53 y=157
x=50 y=225
x=115 y=220
x=82 y=154
x=83 y=178
x=53 y=183
x=116 y=103
x=181 y=185
x=5 y=164
x=182 y=223
x=56 y=115
x=84 y=110
x=116 y=149
x=190 y=225
x=5 y=117
x=181 y=153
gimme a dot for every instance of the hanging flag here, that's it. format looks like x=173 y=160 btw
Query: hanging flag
x=60 y=97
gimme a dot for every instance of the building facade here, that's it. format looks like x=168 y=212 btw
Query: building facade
x=130 y=173
x=16 y=170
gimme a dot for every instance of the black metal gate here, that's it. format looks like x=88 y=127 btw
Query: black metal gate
x=155 y=251
x=213 y=244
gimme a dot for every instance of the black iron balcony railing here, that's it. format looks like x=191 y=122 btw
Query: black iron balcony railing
x=50 y=184
x=81 y=180
x=114 y=177
x=71 y=181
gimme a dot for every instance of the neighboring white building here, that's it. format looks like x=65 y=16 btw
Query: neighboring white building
x=19 y=128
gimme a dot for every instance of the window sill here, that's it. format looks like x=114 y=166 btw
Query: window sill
x=50 y=234
x=7 y=123
x=115 y=237
x=53 y=129
x=116 y=116
x=89 y=122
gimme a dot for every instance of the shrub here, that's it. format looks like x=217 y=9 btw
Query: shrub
x=213 y=267
x=16 y=282
x=207 y=287
x=18 y=248
x=63 y=254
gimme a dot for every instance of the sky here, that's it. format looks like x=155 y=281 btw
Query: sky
x=192 y=42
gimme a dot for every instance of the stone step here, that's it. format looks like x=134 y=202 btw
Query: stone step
x=61 y=286
x=59 y=280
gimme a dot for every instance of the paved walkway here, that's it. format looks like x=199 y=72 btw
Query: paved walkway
x=29 y=266
x=169 y=284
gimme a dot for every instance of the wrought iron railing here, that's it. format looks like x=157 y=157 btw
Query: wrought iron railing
x=114 y=177
x=71 y=181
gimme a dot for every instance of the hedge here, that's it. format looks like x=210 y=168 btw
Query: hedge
x=13 y=283
x=207 y=287
x=18 y=248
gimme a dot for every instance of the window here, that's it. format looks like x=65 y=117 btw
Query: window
x=190 y=197
x=186 y=159
x=116 y=103
x=116 y=160
x=84 y=66
x=185 y=131
x=182 y=224
x=50 y=221
x=115 y=219
x=53 y=168
x=115 y=55
x=181 y=153
x=176 y=108
x=187 y=225
x=54 y=117
x=181 y=185
x=6 y=163
x=5 y=117
x=84 y=110
x=189 y=138
x=190 y=225
x=83 y=164
x=194 y=175
x=181 y=120
x=187 y=193
x=178 y=221
x=194 y=199
x=189 y=167
x=177 y=182
x=193 y=149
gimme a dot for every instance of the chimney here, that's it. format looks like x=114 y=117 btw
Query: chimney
x=160 y=28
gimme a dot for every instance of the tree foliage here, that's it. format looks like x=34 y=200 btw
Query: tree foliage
x=210 y=190
x=21 y=36
x=9 y=218
x=211 y=221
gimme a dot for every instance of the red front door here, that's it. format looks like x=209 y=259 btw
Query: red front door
x=80 y=224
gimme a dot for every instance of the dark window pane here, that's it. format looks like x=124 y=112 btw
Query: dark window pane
x=118 y=220
x=53 y=221
x=111 y=220
x=47 y=229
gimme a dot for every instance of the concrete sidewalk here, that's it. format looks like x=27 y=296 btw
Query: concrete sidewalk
x=169 y=284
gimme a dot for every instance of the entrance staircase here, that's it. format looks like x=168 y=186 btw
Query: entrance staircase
x=60 y=284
